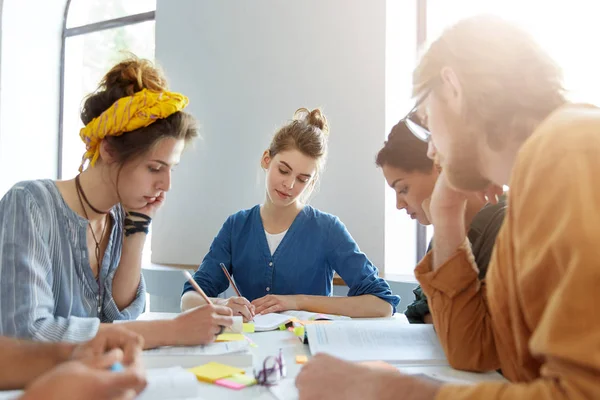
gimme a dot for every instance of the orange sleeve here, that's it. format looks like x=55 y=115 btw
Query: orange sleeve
x=555 y=228
x=459 y=309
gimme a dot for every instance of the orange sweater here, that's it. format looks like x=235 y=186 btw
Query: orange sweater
x=537 y=316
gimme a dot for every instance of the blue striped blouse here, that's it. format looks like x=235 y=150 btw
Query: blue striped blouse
x=47 y=289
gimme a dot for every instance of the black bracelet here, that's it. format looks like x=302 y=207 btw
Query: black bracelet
x=136 y=222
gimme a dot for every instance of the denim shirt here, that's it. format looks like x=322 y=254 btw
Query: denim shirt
x=316 y=245
x=47 y=289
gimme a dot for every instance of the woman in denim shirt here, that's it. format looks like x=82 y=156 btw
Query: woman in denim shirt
x=283 y=254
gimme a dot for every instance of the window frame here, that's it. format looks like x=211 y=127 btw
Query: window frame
x=83 y=30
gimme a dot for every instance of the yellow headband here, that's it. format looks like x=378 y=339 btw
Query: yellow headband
x=128 y=114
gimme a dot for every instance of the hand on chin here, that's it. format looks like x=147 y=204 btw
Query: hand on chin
x=149 y=208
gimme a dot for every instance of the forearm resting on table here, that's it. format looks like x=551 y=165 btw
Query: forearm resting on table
x=23 y=361
x=365 y=306
x=156 y=333
x=192 y=299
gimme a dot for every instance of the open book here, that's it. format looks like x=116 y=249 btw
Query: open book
x=271 y=322
x=388 y=341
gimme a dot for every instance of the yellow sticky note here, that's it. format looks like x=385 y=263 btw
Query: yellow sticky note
x=301 y=359
x=230 y=337
x=248 y=327
x=213 y=371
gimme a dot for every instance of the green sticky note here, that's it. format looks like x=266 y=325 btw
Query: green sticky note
x=299 y=331
x=242 y=379
x=282 y=327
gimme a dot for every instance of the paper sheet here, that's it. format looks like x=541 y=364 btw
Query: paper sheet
x=170 y=383
x=285 y=390
x=377 y=340
x=10 y=394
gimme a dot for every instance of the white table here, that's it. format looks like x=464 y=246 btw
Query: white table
x=268 y=344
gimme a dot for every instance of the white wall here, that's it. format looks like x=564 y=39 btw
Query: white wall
x=29 y=89
x=246 y=67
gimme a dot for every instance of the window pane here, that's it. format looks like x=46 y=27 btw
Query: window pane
x=87 y=58
x=564 y=28
x=401 y=56
x=84 y=12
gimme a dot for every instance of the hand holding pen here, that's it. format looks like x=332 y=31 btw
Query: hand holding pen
x=240 y=305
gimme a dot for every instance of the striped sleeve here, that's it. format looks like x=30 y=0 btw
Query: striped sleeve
x=26 y=276
x=132 y=311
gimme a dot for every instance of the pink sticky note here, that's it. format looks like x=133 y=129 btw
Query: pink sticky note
x=230 y=384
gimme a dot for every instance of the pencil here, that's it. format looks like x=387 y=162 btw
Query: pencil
x=231 y=280
x=198 y=288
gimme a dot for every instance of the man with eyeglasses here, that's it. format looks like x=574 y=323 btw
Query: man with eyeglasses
x=494 y=103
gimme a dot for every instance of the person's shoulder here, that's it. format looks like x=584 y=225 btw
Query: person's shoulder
x=243 y=216
x=570 y=127
x=41 y=191
x=320 y=217
x=489 y=214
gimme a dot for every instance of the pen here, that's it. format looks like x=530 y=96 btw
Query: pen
x=198 y=288
x=230 y=280
x=224 y=268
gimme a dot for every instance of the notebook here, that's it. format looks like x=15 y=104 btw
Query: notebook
x=270 y=322
x=385 y=340
x=311 y=316
x=236 y=353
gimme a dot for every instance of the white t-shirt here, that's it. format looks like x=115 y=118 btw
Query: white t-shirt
x=274 y=240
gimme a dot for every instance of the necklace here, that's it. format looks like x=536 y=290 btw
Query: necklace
x=80 y=194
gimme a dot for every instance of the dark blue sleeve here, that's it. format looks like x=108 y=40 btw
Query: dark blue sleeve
x=361 y=276
x=210 y=276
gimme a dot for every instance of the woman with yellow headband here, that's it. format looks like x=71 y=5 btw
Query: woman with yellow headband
x=70 y=251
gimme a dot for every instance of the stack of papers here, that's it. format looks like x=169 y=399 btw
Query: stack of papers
x=236 y=353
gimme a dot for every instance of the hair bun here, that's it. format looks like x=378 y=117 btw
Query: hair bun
x=133 y=75
x=314 y=118
x=124 y=79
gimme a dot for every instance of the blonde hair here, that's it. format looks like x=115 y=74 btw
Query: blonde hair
x=509 y=82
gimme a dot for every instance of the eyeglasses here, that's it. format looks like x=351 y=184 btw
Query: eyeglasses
x=273 y=370
x=414 y=123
